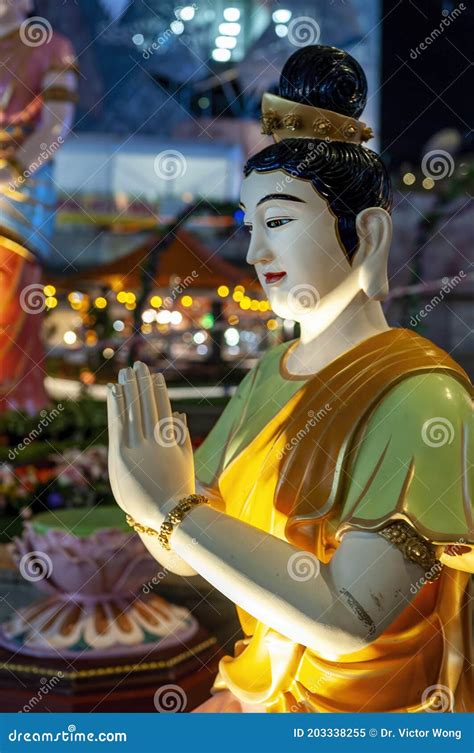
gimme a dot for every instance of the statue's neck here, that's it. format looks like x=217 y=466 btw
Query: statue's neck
x=358 y=320
x=319 y=345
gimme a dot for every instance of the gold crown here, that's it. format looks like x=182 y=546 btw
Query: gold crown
x=284 y=119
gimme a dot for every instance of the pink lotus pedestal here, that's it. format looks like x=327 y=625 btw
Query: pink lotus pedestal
x=97 y=627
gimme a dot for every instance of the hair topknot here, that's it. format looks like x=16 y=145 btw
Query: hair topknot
x=348 y=176
x=325 y=77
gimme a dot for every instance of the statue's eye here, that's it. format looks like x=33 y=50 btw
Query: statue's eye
x=248 y=226
x=278 y=222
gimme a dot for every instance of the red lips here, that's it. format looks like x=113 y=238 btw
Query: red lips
x=274 y=276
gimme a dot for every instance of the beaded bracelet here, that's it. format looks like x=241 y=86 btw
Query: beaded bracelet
x=174 y=517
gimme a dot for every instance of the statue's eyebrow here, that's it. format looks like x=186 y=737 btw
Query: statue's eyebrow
x=281 y=196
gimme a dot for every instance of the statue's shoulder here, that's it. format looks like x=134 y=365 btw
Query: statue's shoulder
x=422 y=396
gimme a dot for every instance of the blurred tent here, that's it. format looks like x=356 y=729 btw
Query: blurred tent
x=185 y=258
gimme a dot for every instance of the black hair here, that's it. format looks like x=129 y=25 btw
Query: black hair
x=349 y=176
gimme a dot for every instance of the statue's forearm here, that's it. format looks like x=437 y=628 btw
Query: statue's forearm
x=170 y=561
x=330 y=608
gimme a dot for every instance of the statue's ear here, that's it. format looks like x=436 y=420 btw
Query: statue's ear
x=374 y=229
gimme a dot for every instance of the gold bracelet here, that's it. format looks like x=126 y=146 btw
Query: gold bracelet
x=174 y=517
x=139 y=528
x=413 y=547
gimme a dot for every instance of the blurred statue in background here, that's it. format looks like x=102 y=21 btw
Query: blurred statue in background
x=38 y=84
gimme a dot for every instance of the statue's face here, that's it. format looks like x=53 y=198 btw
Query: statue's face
x=294 y=243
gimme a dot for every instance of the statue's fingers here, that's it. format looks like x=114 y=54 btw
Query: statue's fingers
x=147 y=399
x=162 y=401
x=115 y=415
x=132 y=413
x=117 y=429
x=186 y=443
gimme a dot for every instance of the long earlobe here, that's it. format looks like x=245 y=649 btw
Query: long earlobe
x=374 y=229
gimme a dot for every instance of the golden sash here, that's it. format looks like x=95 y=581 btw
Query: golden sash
x=290 y=481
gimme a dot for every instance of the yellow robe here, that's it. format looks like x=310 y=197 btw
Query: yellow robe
x=328 y=462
